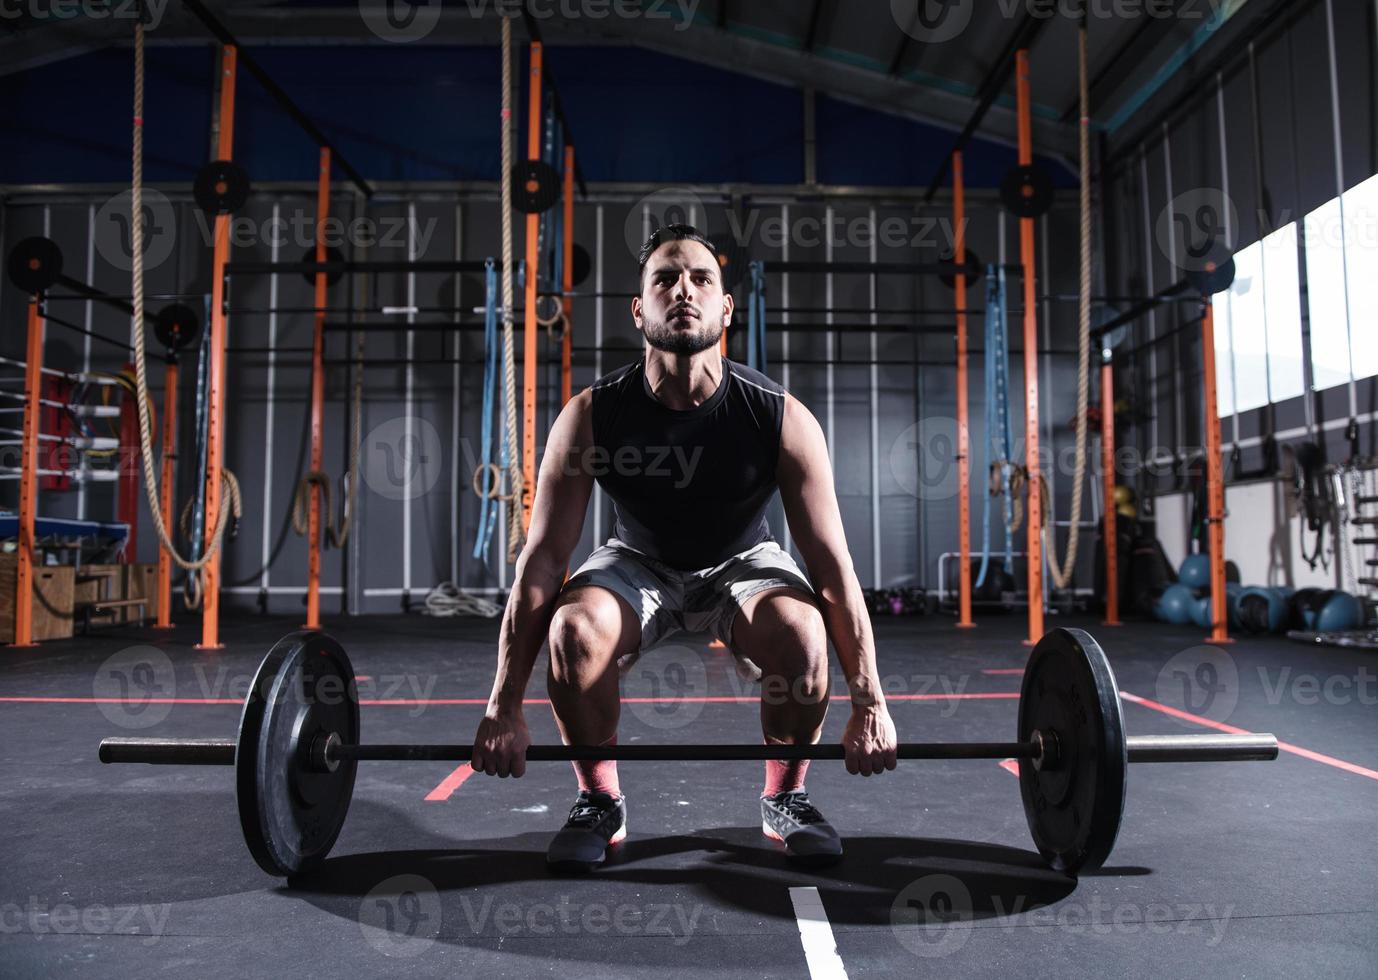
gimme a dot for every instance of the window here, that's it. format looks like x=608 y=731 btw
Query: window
x=1361 y=257
x=1248 y=338
x=1342 y=246
x=1325 y=294
x=1258 y=326
x=1282 y=310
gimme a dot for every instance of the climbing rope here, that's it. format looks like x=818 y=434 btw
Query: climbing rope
x=515 y=531
x=1062 y=576
x=232 y=504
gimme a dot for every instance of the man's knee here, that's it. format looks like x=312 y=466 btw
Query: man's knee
x=795 y=646
x=586 y=633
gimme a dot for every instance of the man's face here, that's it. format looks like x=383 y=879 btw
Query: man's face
x=682 y=308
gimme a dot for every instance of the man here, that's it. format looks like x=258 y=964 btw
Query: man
x=690 y=447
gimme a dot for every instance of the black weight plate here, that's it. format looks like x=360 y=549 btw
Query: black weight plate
x=975 y=269
x=734 y=260
x=1216 y=277
x=221 y=187
x=35 y=264
x=535 y=186
x=176 y=326
x=1073 y=806
x=332 y=255
x=290 y=813
x=581 y=262
x=1027 y=192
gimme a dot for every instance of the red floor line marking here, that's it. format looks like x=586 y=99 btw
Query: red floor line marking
x=238 y=701
x=450 y=783
x=413 y=702
x=1296 y=750
x=1010 y=766
x=1003 y=670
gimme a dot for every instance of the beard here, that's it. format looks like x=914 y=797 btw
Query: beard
x=671 y=339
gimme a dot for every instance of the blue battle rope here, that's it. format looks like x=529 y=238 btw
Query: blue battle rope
x=756 y=319
x=998 y=449
x=202 y=435
x=488 y=510
x=552 y=221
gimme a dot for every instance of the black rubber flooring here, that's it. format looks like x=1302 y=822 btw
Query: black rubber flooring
x=1251 y=869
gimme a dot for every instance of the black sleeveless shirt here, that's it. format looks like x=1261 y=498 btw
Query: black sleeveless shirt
x=689 y=488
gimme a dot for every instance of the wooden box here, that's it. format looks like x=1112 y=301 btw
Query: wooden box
x=53 y=587
x=141 y=582
x=97 y=582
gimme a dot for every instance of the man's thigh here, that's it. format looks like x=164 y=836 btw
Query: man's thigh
x=726 y=600
x=648 y=597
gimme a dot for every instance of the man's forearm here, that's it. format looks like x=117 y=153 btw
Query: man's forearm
x=525 y=622
x=848 y=622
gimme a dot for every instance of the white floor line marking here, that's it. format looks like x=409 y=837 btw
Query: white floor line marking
x=820 y=948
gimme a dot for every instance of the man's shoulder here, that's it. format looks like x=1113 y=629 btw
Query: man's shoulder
x=756 y=383
x=618 y=377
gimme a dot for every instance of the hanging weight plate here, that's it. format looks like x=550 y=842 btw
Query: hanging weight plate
x=332 y=255
x=291 y=809
x=35 y=264
x=1027 y=192
x=975 y=269
x=221 y=187
x=1216 y=277
x=176 y=326
x=582 y=264
x=1074 y=801
x=535 y=186
x=733 y=259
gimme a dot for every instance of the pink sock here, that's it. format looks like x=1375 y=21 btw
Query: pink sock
x=783 y=775
x=599 y=777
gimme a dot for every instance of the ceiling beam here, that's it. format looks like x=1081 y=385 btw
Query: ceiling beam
x=815 y=16
x=1023 y=37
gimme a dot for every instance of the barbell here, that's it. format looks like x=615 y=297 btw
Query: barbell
x=298 y=750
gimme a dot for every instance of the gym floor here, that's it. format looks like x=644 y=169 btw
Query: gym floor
x=1257 y=869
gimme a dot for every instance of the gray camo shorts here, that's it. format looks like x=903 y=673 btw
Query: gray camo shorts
x=667 y=600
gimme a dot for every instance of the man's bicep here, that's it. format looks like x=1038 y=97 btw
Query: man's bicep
x=565 y=483
x=806 y=488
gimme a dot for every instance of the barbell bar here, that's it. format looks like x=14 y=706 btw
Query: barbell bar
x=298 y=750
x=1141 y=749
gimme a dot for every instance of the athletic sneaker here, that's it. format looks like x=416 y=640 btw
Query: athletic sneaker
x=808 y=838
x=595 y=821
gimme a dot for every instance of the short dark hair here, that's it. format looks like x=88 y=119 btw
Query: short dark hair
x=672 y=233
